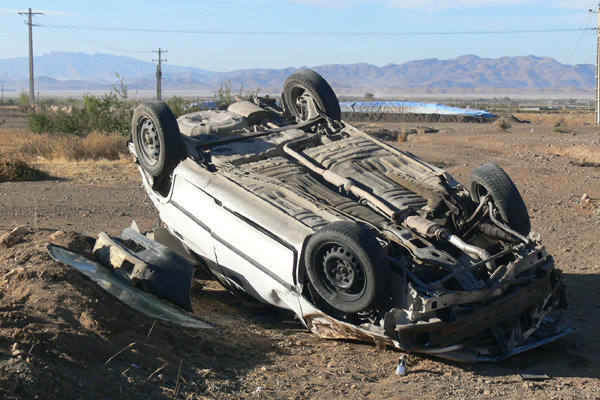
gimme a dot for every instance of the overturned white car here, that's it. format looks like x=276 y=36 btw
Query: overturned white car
x=301 y=210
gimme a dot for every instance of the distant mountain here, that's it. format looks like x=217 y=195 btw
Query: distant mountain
x=465 y=74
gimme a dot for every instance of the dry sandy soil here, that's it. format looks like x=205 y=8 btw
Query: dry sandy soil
x=59 y=331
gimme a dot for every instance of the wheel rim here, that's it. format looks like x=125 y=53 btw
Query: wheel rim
x=304 y=103
x=341 y=272
x=148 y=141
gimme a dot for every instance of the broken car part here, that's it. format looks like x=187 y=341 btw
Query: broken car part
x=135 y=298
x=148 y=265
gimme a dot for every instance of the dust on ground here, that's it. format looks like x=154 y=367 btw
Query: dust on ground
x=59 y=331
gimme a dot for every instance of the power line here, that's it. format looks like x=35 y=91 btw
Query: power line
x=316 y=33
x=581 y=37
x=61 y=29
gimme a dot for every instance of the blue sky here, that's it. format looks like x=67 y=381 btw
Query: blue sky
x=224 y=52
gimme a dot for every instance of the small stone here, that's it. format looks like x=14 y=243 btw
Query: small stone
x=15 y=351
x=87 y=321
x=487 y=392
x=13 y=237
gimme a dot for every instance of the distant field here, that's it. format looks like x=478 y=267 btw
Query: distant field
x=536 y=98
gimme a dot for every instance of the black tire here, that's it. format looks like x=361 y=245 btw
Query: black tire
x=156 y=138
x=304 y=85
x=346 y=266
x=491 y=179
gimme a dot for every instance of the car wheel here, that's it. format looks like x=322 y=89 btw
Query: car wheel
x=305 y=89
x=156 y=139
x=491 y=179
x=346 y=266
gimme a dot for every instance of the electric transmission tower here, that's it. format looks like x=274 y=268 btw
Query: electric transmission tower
x=31 y=25
x=159 y=72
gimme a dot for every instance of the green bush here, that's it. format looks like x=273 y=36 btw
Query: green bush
x=180 y=105
x=23 y=99
x=225 y=94
x=108 y=113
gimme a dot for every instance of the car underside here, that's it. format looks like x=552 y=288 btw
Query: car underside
x=295 y=207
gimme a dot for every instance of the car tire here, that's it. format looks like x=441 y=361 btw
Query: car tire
x=306 y=85
x=346 y=266
x=491 y=179
x=156 y=139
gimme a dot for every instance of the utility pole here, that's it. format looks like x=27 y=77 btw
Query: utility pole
x=159 y=72
x=31 y=25
x=598 y=67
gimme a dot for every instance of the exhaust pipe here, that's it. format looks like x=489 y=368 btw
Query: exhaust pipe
x=430 y=229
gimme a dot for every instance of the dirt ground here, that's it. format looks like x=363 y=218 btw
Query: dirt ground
x=62 y=337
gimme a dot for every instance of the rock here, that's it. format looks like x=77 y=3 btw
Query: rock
x=87 y=321
x=73 y=241
x=15 y=351
x=13 y=237
x=585 y=198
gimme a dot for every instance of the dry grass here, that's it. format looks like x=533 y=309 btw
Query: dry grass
x=95 y=146
x=15 y=170
x=11 y=139
x=403 y=134
x=590 y=154
x=502 y=124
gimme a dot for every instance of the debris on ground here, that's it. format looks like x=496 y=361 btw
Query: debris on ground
x=534 y=376
x=426 y=129
x=13 y=237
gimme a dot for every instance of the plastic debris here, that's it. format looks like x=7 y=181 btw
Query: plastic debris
x=135 y=298
x=534 y=377
x=401 y=367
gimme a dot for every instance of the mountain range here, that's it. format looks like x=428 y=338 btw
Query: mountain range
x=465 y=74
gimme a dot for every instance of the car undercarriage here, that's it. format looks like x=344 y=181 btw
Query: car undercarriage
x=359 y=239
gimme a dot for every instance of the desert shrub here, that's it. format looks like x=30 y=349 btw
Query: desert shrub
x=94 y=146
x=225 y=94
x=23 y=99
x=180 y=105
x=502 y=124
x=403 y=134
x=109 y=113
x=15 y=170
x=40 y=121
x=560 y=129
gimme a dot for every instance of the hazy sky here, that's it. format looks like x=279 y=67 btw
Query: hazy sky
x=271 y=48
